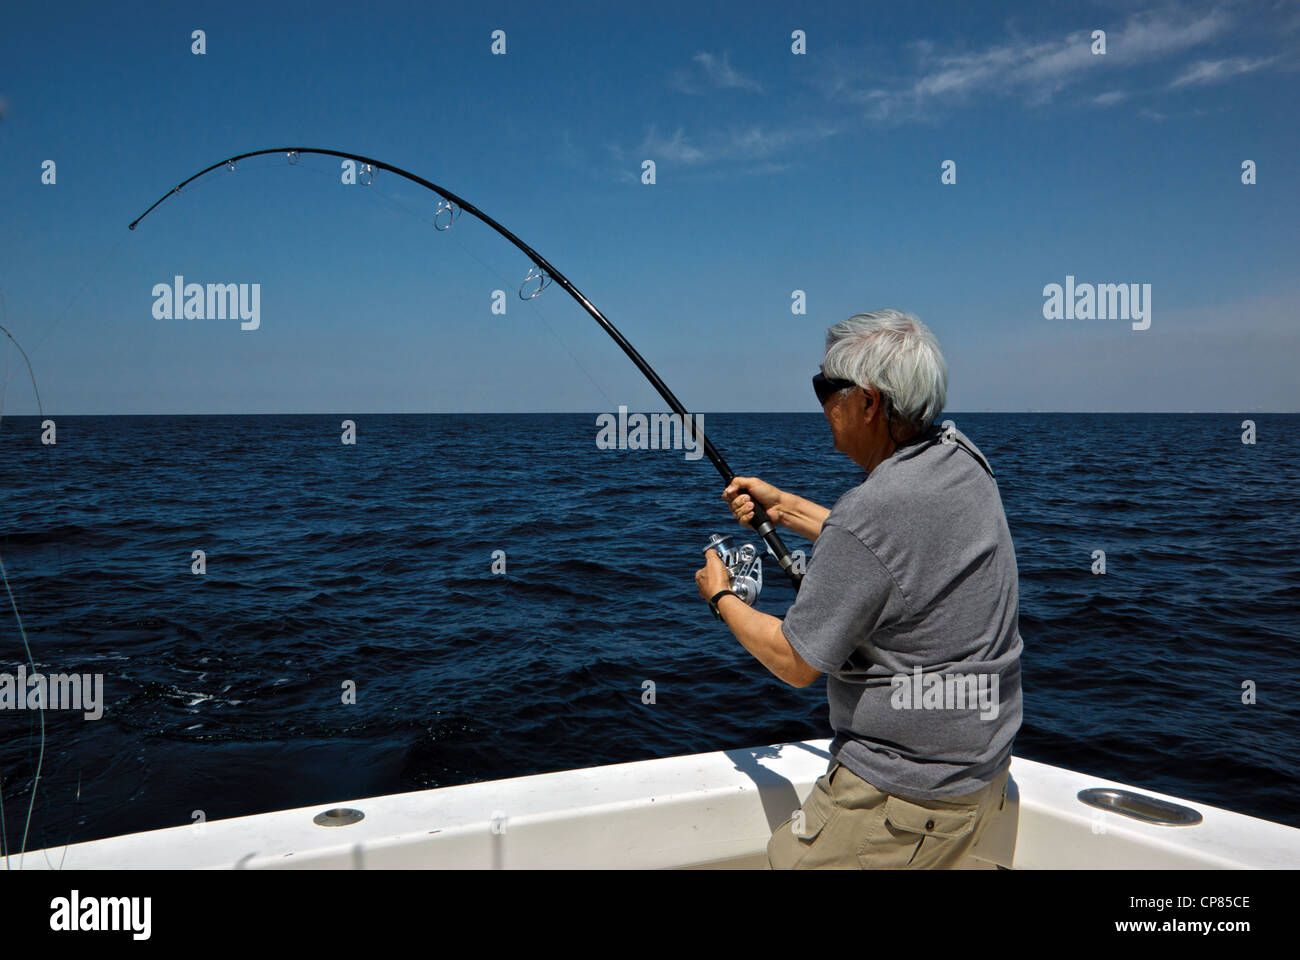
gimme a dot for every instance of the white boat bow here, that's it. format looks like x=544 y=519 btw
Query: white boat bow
x=709 y=810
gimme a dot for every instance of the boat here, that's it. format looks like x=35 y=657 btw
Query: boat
x=711 y=811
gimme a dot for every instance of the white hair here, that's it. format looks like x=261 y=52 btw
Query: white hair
x=895 y=353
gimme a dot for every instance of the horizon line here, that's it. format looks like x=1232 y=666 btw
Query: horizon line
x=597 y=413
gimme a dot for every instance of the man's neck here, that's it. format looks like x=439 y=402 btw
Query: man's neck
x=888 y=447
x=878 y=455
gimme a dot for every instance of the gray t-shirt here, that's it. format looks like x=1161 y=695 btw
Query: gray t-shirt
x=909 y=606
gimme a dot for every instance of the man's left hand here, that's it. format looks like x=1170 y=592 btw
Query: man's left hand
x=713 y=576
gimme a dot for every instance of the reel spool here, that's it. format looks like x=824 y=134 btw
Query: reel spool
x=743 y=565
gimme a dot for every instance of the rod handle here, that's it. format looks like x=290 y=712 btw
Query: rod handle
x=762 y=524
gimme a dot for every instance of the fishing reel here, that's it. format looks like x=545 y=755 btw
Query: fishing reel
x=744 y=566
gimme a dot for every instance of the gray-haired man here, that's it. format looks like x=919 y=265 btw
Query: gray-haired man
x=909 y=606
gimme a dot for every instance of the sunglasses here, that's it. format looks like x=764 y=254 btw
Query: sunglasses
x=827 y=387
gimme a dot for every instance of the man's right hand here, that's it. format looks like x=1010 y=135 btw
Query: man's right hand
x=785 y=509
x=742 y=493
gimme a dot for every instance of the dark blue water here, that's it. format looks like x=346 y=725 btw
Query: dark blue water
x=372 y=564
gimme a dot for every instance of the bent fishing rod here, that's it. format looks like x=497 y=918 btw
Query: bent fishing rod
x=451 y=206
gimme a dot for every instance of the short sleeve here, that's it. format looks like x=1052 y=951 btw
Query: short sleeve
x=845 y=596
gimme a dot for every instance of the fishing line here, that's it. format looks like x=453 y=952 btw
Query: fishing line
x=491 y=272
x=98 y=269
x=22 y=632
x=40 y=761
x=542 y=274
x=4 y=576
x=64 y=312
x=495 y=275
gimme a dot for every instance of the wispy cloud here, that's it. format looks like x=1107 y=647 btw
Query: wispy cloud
x=675 y=148
x=721 y=72
x=711 y=71
x=1217 y=71
x=1146 y=36
x=1033 y=70
x=1110 y=98
x=741 y=149
x=739 y=143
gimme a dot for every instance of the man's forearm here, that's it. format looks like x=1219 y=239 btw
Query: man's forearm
x=802 y=515
x=760 y=633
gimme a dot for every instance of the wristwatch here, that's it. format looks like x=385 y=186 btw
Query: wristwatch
x=713 y=600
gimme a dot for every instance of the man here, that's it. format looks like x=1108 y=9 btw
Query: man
x=909 y=606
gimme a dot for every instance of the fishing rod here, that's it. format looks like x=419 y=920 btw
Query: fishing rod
x=451 y=206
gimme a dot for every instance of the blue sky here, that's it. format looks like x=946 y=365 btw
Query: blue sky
x=775 y=172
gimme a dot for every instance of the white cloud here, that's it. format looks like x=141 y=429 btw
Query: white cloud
x=713 y=71
x=1110 y=98
x=675 y=148
x=1035 y=71
x=1215 y=71
x=723 y=74
x=746 y=149
x=1150 y=35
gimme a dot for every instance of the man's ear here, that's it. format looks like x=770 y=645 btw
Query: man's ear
x=869 y=394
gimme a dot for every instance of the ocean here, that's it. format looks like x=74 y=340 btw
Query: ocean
x=365 y=572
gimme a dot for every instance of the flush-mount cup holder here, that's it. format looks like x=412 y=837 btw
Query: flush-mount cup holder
x=338 y=817
x=1138 y=806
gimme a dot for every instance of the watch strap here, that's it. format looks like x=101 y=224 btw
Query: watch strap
x=713 y=600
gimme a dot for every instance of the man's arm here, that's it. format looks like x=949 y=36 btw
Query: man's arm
x=786 y=509
x=802 y=515
x=760 y=634
x=847 y=594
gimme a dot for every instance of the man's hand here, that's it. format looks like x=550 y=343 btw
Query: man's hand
x=758 y=632
x=713 y=576
x=743 y=492
x=784 y=509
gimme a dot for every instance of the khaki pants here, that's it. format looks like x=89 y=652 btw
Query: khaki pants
x=847 y=824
